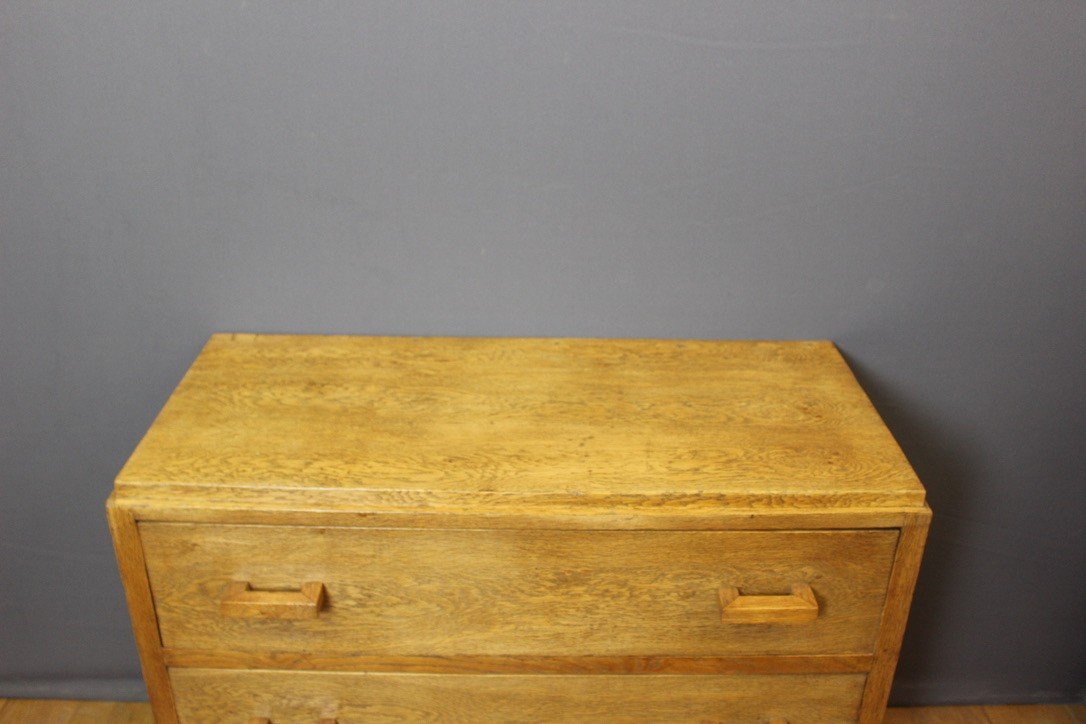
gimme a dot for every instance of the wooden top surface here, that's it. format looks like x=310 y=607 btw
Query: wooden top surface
x=419 y=421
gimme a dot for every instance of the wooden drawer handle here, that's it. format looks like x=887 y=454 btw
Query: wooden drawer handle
x=266 y=720
x=239 y=600
x=798 y=607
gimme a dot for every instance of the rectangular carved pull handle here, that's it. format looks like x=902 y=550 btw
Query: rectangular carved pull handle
x=798 y=607
x=239 y=600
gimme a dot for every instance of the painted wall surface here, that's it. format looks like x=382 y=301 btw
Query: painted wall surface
x=906 y=178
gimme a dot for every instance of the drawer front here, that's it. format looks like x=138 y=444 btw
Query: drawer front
x=210 y=695
x=516 y=592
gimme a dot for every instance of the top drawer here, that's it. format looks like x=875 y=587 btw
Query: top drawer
x=510 y=592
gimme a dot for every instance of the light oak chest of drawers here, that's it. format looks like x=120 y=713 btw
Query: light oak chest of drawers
x=394 y=529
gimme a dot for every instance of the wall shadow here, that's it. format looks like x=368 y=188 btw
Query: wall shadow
x=950 y=473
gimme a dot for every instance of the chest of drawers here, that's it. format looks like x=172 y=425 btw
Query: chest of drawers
x=349 y=529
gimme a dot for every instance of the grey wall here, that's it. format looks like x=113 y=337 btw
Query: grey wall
x=907 y=178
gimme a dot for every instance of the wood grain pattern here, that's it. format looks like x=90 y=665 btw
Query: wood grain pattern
x=437 y=421
x=213 y=696
x=899 y=597
x=200 y=504
x=470 y=664
x=141 y=609
x=518 y=528
x=561 y=593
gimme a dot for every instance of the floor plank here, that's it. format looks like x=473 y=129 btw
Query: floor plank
x=1041 y=714
x=37 y=710
x=99 y=712
x=936 y=715
x=1012 y=714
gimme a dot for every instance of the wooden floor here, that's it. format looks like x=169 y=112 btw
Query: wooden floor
x=33 y=711
x=62 y=712
x=1054 y=714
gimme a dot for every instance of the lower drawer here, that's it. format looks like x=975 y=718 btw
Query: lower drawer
x=214 y=695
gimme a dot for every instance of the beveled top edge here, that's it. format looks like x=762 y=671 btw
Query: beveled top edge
x=269 y=336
